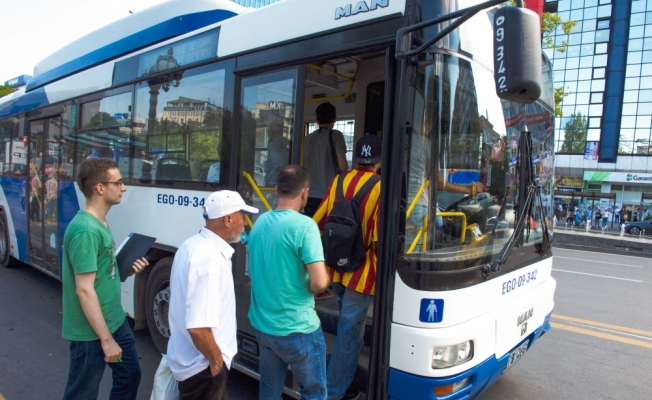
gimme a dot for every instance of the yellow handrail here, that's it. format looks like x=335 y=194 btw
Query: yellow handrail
x=256 y=189
x=414 y=201
x=424 y=230
x=340 y=97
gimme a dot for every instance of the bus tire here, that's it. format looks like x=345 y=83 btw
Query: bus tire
x=5 y=243
x=157 y=301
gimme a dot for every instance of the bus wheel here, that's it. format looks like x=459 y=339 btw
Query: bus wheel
x=157 y=300
x=5 y=254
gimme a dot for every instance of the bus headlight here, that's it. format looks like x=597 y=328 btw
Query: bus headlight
x=449 y=356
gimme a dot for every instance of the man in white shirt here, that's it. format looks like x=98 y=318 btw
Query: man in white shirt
x=202 y=301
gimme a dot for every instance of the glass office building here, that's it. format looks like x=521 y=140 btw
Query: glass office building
x=255 y=3
x=604 y=138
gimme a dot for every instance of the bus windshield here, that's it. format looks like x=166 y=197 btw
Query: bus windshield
x=461 y=167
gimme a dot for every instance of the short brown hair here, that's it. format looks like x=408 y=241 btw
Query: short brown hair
x=94 y=171
x=291 y=180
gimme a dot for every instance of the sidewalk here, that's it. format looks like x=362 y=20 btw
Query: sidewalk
x=605 y=241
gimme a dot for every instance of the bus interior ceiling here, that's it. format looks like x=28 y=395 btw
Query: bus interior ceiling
x=352 y=116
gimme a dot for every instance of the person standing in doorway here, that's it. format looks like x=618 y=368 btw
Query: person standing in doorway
x=202 y=301
x=355 y=289
x=93 y=319
x=324 y=155
x=286 y=265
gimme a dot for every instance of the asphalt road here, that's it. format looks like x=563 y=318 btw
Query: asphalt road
x=600 y=346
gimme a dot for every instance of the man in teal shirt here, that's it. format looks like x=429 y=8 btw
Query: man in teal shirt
x=93 y=318
x=286 y=265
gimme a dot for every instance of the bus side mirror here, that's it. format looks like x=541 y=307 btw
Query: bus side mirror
x=517 y=54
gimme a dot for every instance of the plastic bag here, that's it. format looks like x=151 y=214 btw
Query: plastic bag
x=165 y=386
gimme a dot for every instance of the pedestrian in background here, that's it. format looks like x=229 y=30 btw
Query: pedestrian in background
x=605 y=217
x=286 y=265
x=202 y=301
x=598 y=218
x=93 y=318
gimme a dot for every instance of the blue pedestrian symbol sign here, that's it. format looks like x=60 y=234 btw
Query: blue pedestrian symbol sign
x=432 y=310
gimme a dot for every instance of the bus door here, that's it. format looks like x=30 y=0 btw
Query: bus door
x=43 y=188
x=267 y=132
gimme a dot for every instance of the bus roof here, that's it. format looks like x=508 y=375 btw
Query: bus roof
x=87 y=64
x=152 y=25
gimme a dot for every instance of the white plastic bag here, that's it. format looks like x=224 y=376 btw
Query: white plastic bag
x=165 y=386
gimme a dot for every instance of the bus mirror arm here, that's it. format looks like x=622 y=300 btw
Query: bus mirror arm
x=404 y=37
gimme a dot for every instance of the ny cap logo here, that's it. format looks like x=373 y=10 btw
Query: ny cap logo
x=366 y=151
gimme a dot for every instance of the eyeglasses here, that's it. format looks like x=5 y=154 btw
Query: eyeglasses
x=118 y=183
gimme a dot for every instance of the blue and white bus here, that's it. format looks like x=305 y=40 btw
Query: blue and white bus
x=186 y=97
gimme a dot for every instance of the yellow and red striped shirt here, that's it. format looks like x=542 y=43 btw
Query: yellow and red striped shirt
x=363 y=279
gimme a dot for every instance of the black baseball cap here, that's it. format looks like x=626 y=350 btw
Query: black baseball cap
x=368 y=150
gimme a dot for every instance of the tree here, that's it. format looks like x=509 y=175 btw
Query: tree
x=5 y=90
x=575 y=134
x=551 y=23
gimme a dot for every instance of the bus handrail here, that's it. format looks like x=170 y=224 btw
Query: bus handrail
x=414 y=201
x=254 y=186
x=340 y=97
x=423 y=230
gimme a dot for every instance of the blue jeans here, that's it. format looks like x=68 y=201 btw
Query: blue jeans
x=306 y=356
x=87 y=367
x=350 y=333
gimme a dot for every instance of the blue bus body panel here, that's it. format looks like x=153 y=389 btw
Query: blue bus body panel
x=26 y=102
x=68 y=205
x=14 y=189
x=154 y=34
x=404 y=386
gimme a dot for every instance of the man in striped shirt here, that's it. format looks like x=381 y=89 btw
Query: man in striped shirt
x=355 y=289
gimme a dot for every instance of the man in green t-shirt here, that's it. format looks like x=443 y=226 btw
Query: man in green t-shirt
x=286 y=265
x=93 y=318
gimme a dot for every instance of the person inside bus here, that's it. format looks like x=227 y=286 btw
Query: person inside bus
x=278 y=152
x=324 y=155
x=354 y=289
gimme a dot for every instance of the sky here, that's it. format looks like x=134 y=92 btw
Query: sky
x=31 y=30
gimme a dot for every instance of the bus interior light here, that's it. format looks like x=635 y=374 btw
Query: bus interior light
x=449 y=356
x=451 y=388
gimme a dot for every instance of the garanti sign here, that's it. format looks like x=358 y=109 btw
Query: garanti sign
x=618 y=177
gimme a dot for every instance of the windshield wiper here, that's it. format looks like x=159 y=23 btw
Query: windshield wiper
x=529 y=190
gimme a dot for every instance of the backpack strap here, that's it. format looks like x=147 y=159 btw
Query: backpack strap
x=366 y=188
x=330 y=139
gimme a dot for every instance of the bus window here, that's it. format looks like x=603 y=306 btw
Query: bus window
x=13 y=156
x=179 y=123
x=461 y=172
x=267 y=108
x=109 y=111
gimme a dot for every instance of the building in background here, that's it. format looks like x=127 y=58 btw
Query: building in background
x=255 y=3
x=603 y=140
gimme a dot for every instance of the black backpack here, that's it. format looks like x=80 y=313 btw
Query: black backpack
x=342 y=236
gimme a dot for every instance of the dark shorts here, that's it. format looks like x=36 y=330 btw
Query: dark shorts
x=205 y=386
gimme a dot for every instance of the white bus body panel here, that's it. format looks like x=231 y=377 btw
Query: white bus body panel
x=236 y=35
x=469 y=314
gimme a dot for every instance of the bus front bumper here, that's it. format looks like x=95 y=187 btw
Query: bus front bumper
x=405 y=386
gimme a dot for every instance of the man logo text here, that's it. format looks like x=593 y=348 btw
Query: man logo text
x=360 y=7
